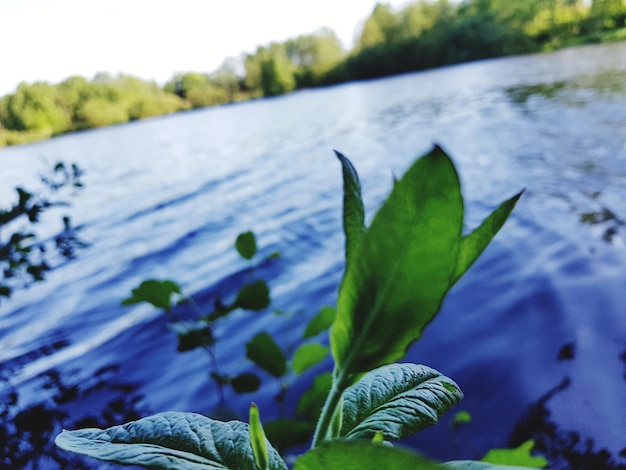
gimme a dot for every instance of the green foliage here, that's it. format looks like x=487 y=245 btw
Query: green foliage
x=255 y=296
x=520 y=456
x=360 y=455
x=460 y=418
x=258 y=439
x=246 y=244
x=155 y=292
x=378 y=402
x=320 y=322
x=172 y=441
x=398 y=271
x=308 y=355
x=264 y=352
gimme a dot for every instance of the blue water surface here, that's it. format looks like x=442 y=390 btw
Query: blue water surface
x=535 y=334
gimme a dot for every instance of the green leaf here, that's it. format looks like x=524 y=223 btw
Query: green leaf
x=520 y=456
x=342 y=454
x=246 y=245
x=257 y=439
x=307 y=355
x=320 y=322
x=398 y=399
x=196 y=338
x=462 y=417
x=401 y=271
x=245 y=383
x=311 y=401
x=255 y=296
x=157 y=293
x=353 y=211
x=473 y=244
x=264 y=352
x=285 y=433
x=171 y=440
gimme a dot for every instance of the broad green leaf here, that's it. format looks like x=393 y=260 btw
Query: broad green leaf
x=257 y=439
x=398 y=399
x=353 y=210
x=245 y=383
x=255 y=296
x=246 y=245
x=519 y=456
x=307 y=355
x=342 y=454
x=157 y=293
x=473 y=244
x=171 y=440
x=312 y=401
x=196 y=338
x=264 y=352
x=320 y=322
x=402 y=268
x=285 y=433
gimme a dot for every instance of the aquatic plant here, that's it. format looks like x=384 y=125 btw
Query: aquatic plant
x=398 y=271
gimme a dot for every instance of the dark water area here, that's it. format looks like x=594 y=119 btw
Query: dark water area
x=534 y=334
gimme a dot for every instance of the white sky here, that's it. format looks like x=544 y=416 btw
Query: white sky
x=152 y=39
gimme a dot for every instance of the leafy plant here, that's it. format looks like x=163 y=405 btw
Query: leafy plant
x=398 y=271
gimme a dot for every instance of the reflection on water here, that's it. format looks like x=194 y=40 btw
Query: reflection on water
x=564 y=448
x=27 y=431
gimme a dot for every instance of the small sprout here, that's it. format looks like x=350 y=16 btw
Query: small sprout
x=379 y=437
x=257 y=439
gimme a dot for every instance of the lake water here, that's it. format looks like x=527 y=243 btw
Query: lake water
x=535 y=334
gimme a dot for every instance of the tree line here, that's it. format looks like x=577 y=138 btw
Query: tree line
x=423 y=34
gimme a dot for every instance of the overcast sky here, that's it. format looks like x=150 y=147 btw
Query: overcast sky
x=53 y=39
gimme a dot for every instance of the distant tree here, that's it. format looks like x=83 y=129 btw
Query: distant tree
x=608 y=14
x=380 y=28
x=313 y=55
x=269 y=70
x=35 y=107
x=227 y=78
x=419 y=17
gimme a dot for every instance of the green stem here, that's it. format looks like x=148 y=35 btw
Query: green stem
x=332 y=400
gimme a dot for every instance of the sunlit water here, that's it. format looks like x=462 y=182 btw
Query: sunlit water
x=165 y=198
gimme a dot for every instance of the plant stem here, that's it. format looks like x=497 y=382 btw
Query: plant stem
x=332 y=400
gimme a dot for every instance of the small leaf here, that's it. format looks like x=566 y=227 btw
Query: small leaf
x=398 y=399
x=196 y=338
x=157 y=293
x=379 y=437
x=171 y=440
x=353 y=210
x=257 y=439
x=312 y=401
x=462 y=417
x=307 y=355
x=246 y=245
x=255 y=296
x=285 y=433
x=342 y=454
x=320 y=322
x=246 y=382
x=473 y=244
x=520 y=456
x=264 y=352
